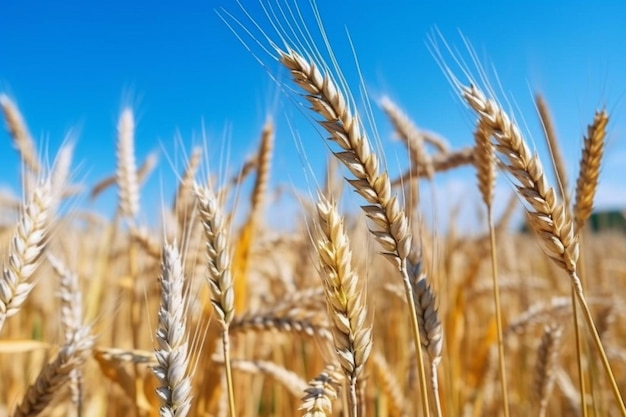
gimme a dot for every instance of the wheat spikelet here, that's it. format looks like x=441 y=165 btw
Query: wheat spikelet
x=126 y=174
x=546 y=365
x=172 y=353
x=55 y=374
x=19 y=132
x=590 y=162
x=25 y=251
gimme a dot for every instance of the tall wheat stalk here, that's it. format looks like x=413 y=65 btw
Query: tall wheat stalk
x=220 y=277
x=486 y=172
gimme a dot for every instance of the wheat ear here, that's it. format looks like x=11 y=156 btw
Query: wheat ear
x=25 y=251
x=547 y=216
x=126 y=174
x=71 y=318
x=546 y=364
x=54 y=375
x=172 y=353
x=220 y=276
x=390 y=224
x=321 y=392
x=19 y=132
x=410 y=135
x=440 y=162
x=264 y=166
x=345 y=298
x=590 y=162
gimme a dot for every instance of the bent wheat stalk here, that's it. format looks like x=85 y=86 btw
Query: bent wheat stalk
x=220 y=276
x=486 y=173
x=390 y=224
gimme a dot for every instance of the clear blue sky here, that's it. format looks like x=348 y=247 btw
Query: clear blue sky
x=76 y=63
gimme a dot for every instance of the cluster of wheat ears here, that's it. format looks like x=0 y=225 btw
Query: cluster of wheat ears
x=205 y=316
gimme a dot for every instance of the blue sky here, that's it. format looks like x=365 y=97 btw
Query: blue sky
x=75 y=64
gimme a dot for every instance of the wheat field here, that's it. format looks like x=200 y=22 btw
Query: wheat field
x=371 y=312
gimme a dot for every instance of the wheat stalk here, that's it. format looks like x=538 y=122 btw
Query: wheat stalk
x=485 y=162
x=220 y=276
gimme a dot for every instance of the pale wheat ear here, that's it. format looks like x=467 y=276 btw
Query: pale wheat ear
x=126 y=175
x=345 y=296
x=18 y=130
x=27 y=246
x=173 y=369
